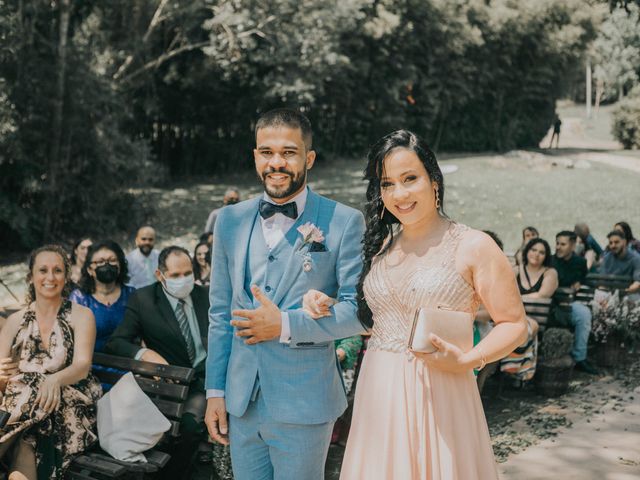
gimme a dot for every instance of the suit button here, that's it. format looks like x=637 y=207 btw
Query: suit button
x=271 y=258
x=267 y=288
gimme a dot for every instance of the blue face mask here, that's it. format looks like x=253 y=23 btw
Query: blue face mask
x=179 y=287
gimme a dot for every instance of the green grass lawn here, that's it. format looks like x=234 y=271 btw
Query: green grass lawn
x=501 y=193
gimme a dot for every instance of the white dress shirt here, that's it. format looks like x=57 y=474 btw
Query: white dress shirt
x=142 y=269
x=274 y=230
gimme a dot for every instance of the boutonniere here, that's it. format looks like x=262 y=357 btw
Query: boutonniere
x=312 y=238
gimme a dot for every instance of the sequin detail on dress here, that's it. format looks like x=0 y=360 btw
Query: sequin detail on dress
x=432 y=281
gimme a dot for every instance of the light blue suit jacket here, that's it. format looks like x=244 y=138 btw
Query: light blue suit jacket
x=300 y=381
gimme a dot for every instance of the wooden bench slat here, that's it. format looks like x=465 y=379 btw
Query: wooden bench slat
x=168 y=408
x=180 y=374
x=153 y=387
x=99 y=465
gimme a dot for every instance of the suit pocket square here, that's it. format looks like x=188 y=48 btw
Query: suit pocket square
x=317 y=247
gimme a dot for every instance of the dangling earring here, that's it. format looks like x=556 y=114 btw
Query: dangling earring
x=437 y=199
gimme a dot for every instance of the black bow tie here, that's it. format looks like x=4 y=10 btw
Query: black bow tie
x=268 y=210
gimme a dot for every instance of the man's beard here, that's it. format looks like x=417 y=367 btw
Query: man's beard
x=297 y=182
x=145 y=249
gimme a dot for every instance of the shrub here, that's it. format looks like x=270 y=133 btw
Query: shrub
x=626 y=120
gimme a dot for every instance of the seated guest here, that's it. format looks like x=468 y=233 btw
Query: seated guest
x=528 y=233
x=207 y=238
x=620 y=260
x=231 y=197
x=48 y=390
x=78 y=256
x=143 y=260
x=171 y=318
x=102 y=288
x=587 y=246
x=202 y=264
x=347 y=351
x=536 y=279
x=632 y=242
x=572 y=270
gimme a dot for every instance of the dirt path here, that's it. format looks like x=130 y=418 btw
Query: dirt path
x=604 y=446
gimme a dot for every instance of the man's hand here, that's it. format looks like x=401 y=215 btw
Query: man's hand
x=154 y=357
x=215 y=419
x=262 y=324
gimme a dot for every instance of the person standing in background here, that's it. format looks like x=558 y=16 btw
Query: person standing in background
x=231 y=197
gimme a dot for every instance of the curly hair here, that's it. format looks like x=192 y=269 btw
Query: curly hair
x=31 y=290
x=380 y=223
x=87 y=284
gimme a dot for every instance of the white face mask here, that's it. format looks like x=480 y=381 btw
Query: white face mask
x=179 y=287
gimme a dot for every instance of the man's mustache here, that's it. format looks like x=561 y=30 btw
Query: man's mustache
x=280 y=170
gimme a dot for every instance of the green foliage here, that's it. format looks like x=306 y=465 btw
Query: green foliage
x=616 y=52
x=556 y=343
x=626 y=120
x=126 y=90
x=42 y=199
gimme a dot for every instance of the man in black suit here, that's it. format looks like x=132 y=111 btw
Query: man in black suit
x=171 y=317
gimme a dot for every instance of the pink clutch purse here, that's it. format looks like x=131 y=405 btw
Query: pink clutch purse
x=452 y=326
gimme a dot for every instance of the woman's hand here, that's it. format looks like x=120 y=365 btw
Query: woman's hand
x=448 y=358
x=8 y=368
x=317 y=304
x=48 y=397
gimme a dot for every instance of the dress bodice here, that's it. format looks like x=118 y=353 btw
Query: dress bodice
x=429 y=281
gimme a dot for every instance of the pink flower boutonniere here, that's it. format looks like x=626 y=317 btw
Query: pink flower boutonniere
x=312 y=238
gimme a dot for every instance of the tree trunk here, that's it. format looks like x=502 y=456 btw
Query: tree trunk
x=54 y=165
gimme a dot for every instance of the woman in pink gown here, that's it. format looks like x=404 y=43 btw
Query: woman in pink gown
x=419 y=416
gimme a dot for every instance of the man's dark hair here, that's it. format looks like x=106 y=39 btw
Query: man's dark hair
x=567 y=233
x=495 y=238
x=616 y=233
x=164 y=254
x=287 y=117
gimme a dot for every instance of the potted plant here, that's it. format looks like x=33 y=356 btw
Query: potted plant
x=615 y=328
x=555 y=365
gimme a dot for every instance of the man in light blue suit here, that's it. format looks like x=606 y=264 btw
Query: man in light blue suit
x=270 y=365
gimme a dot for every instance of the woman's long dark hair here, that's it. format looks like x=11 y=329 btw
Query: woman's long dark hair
x=547 y=251
x=197 y=269
x=626 y=229
x=87 y=284
x=379 y=223
x=75 y=246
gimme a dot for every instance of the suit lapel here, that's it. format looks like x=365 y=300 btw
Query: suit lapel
x=241 y=240
x=201 y=307
x=293 y=268
x=167 y=313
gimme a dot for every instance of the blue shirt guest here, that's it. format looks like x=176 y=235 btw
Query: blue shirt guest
x=143 y=261
x=102 y=288
x=621 y=260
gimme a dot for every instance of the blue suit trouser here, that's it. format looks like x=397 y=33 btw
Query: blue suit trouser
x=265 y=449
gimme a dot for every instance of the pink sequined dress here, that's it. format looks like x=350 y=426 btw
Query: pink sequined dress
x=412 y=422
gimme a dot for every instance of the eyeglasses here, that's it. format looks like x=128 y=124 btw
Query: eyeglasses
x=102 y=262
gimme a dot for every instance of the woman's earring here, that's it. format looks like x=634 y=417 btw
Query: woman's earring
x=437 y=199
x=382 y=213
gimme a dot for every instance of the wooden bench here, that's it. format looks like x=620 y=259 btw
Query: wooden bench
x=167 y=386
x=608 y=282
x=538 y=309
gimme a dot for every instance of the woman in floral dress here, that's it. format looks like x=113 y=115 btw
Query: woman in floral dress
x=47 y=386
